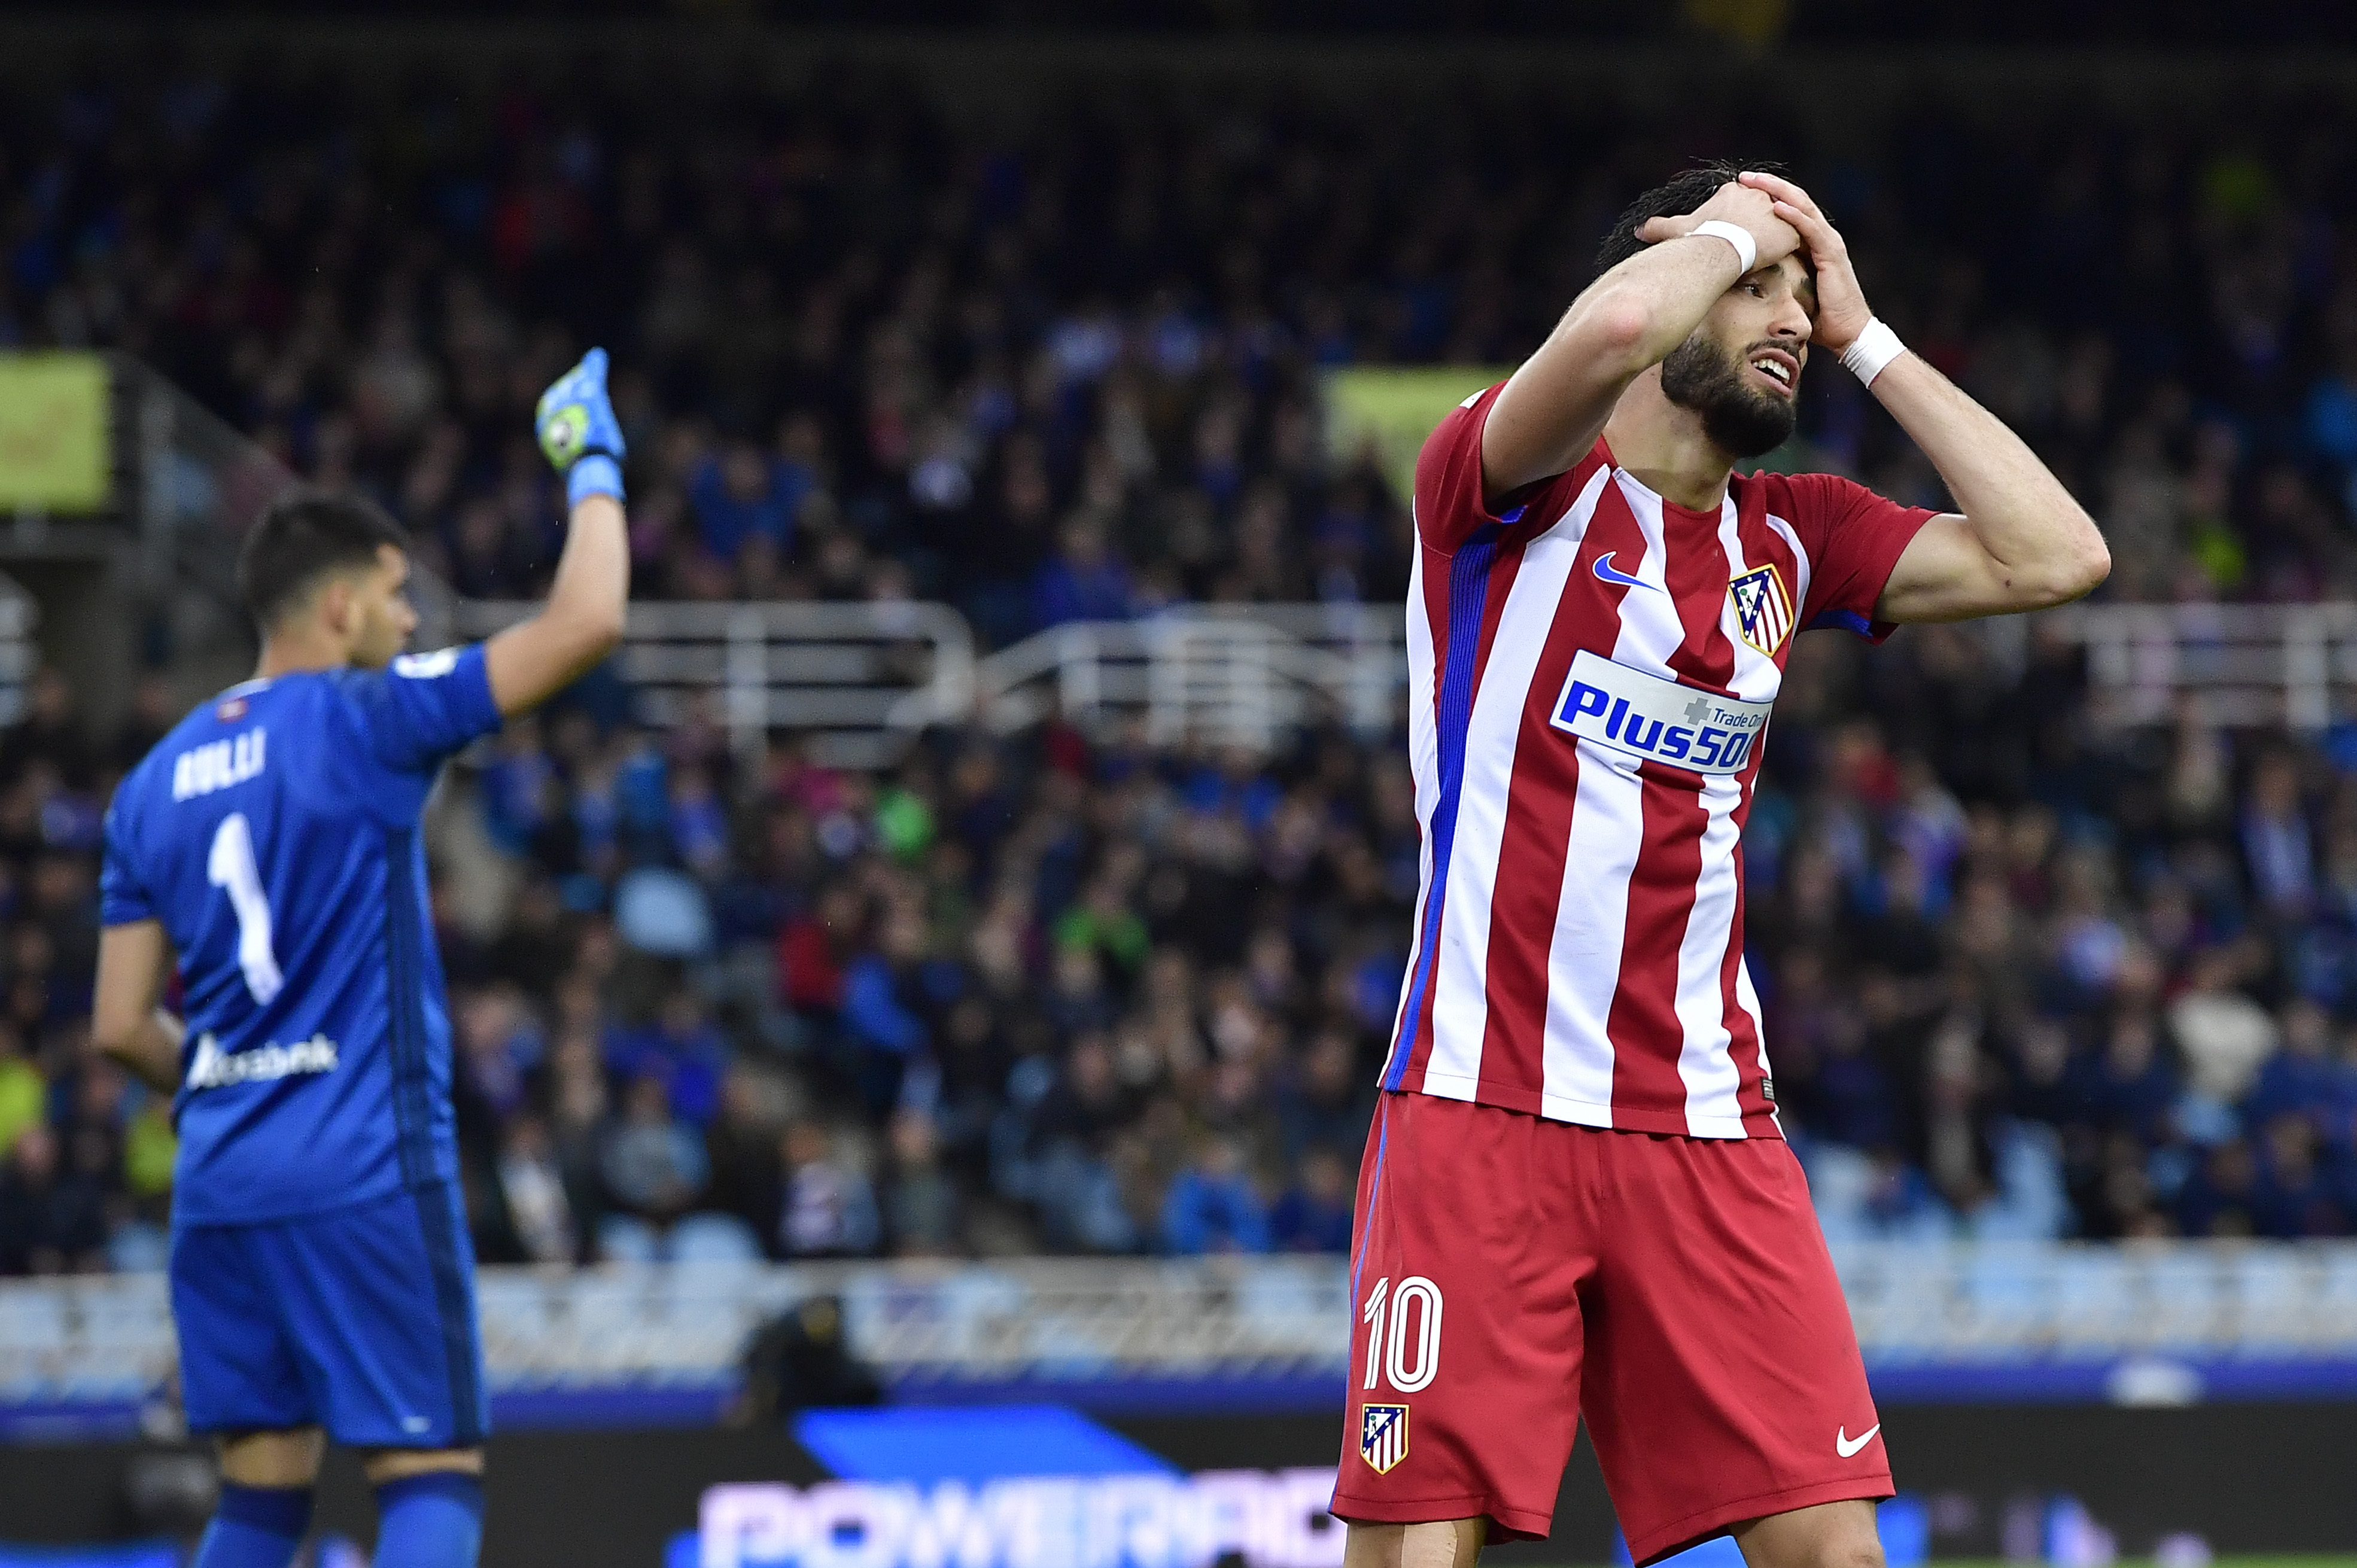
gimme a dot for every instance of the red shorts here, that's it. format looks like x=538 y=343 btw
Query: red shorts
x=1510 y=1275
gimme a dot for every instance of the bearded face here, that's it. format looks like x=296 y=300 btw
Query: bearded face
x=1741 y=420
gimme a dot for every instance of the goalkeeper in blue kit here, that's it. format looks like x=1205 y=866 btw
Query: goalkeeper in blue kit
x=322 y=1282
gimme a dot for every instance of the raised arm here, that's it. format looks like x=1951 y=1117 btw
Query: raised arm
x=2021 y=542
x=532 y=660
x=125 y=1024
x=1550 y=412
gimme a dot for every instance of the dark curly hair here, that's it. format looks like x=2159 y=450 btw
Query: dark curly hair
x=1681 y=195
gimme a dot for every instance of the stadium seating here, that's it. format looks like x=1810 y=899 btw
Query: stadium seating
x=2026 y=978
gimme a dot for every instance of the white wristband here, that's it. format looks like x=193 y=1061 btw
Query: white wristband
x=1747 y=249
x=1874 y=347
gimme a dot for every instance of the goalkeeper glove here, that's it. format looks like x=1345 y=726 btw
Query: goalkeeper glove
x=578 y=431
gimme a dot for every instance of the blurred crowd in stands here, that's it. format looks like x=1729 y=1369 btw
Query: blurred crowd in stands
x=1079 y=994
x=1063 y=364
x=1070 y=991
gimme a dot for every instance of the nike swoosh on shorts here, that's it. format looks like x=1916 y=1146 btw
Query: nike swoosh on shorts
x=1847 y=1445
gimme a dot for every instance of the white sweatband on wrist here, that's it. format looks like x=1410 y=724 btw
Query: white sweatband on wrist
x=1872 y=349
x=1747 y=249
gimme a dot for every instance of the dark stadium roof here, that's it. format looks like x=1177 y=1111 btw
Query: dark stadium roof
x=2136 y=24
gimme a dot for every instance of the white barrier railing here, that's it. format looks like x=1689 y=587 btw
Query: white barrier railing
x=2232 y=665
x=1240 y=674
x=109 y=1337
x=21 y=655
x=2032 y=1300
x=858 y=682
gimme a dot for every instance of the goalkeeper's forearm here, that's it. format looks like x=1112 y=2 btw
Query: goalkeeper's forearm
x=134 y=957
x=591 y=591
x=529 y=663
x=150 y=1050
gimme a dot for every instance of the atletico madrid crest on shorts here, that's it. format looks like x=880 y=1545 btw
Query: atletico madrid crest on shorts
x=1383 y=1435
x=1763 y=612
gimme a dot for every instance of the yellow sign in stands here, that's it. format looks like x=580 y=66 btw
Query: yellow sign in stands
x=1395 y=407
x=53 y=433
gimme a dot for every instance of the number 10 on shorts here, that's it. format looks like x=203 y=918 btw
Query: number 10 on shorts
x=1413 y=1308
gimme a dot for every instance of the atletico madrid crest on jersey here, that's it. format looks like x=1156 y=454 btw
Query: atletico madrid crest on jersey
x=1762 y=611
x=1383 y=1435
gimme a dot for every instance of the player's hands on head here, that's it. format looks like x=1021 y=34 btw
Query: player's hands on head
x=1752 y=211
x=577 y=430
x=1842 y=312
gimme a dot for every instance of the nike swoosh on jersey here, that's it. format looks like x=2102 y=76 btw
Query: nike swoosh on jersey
x=1847 y=1445
x=1609 y=573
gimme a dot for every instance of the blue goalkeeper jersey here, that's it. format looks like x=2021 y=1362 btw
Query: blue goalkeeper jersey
x=275 y=833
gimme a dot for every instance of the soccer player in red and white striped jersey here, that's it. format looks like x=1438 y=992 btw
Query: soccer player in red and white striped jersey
x=1577 y=1200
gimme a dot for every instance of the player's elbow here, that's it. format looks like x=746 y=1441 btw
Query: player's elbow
x=2069 y=563
x=112 y=1037
x=2077 y=568
x=606 y=628
x=592 y=631
x=1614 y=327
x=2094 y=556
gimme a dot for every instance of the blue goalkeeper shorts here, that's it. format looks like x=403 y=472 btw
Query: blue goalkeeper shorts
x=360 y=1320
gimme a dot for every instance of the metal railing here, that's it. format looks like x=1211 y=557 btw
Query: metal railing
x=2029 y=1299
x=21 y=655
x=859 y=681
x=1234 y=674
x=856 y=682
x=2229 y=665
x=1080 y=1320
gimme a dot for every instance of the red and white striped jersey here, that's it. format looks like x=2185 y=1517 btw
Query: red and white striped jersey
x=1589 y=682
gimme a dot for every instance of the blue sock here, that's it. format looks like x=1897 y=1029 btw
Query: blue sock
x=256 y=1527
x=434 y=1520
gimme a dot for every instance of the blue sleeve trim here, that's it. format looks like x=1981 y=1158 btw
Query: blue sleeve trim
x=474 y=669
x=1843 y=620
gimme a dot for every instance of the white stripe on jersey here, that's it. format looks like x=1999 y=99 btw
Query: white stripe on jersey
x=1424 y=765
x=1747 y=998
x=1801 y=558
x=1665 y=854
x=1460 y=1008
x=1705 y=1064
x=1591 y=921
x=1649 y=629
x=1607 y=832
x=1592 y=912
x=1705 y=1061
x=1747 y=995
